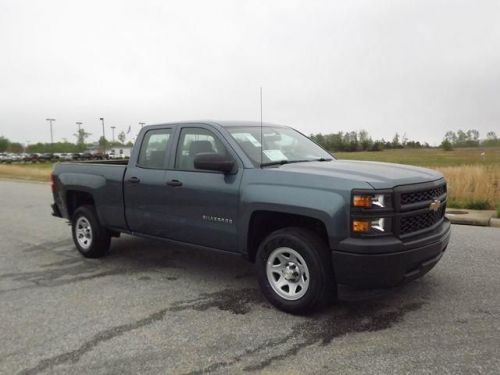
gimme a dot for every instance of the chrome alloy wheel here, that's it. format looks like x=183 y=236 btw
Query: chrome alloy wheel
x=287 y=273
x=83 y=232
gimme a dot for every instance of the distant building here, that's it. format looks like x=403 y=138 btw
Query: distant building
x=121 y=152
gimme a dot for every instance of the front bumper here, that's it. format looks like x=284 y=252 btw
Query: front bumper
x=378 y=270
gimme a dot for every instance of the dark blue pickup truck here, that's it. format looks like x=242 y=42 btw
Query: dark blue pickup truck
x=315 y=226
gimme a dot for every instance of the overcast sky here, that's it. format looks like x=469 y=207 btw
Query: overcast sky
x=415 y=67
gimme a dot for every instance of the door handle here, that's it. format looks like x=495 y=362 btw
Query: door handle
x=134 y=180
x=174 y=183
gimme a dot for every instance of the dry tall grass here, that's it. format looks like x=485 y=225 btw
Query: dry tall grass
x=25 y=172
x=473 y=186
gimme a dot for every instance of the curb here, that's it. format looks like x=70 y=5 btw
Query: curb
x=481 y=218
x=495 y=222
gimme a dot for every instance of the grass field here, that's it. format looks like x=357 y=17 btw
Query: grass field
x=473 y=179
x=429 y=157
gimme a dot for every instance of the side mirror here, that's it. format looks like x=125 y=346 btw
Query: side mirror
x=214 y=162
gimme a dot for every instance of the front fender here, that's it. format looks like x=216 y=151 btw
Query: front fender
x=321 y=204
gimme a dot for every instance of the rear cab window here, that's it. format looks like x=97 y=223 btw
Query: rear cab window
x=154 y=148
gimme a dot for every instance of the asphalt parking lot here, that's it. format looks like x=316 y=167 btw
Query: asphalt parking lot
x=153 y=308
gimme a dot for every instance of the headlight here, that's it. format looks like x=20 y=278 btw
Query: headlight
x=372 y=225
x=371 y=200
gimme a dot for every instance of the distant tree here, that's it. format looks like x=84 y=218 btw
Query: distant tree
x=491 y=136
x=395 y=141
x=365 y=140
x=446 y=145
x=15 y=147
x=103 y=144
x=81 y=136
x=404 y=140
x=469 y=138
x=413 y=144
x=122 y=137
x=491 y=140
x=461 y=138
x=451 y=137
x=65 y=147
x=377 y=146
x=4 y=144
x=356 y=141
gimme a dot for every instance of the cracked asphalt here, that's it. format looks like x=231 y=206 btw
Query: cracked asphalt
x=154 y=308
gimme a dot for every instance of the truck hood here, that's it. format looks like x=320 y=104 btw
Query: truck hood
x=378 y=175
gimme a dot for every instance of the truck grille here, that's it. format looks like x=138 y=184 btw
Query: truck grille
x=413 y=223
x=414 y=204
x=423 y=195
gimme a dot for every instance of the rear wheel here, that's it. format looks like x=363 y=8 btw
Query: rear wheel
x=91 y=239
x=295 y=270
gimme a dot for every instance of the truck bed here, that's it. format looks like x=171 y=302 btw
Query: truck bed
x=103 y=180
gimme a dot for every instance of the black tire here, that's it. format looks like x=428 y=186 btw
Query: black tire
x=100 y=238
x=315 y=253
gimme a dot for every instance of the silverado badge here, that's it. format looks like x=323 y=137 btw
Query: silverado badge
x=435 y=205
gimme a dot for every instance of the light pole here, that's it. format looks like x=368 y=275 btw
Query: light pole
x=79 y=125
x=113 y=132
x=51 y=120
x=142 y=124
x=103 y=133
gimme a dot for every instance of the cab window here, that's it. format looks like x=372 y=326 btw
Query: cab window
x=194 y=141
x=154 y=149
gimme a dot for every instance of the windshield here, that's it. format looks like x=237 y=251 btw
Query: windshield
x=280 y=145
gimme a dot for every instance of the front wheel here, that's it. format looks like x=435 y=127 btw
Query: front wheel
x=295 y=270
x=91 y=239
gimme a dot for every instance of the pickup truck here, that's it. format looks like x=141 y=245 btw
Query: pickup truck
x=316 y=227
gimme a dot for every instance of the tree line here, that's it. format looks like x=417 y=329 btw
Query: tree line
x=340 y=141
x=362 y=141
x=468 y=138
x=65 y=146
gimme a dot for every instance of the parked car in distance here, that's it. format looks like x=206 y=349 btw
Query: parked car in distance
x=64 y=156
x=316 y=227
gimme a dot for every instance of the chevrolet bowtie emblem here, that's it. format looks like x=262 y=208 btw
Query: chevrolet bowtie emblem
x=435 y=205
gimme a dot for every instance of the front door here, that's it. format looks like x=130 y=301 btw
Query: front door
x=204 y=204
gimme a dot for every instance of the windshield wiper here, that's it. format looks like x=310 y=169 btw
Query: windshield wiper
x=281 y=162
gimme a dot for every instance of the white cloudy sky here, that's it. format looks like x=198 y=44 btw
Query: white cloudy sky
x=415 y=67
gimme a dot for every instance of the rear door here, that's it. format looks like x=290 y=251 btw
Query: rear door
x=204 y=204
x=146 y=194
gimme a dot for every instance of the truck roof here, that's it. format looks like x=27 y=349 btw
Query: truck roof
x=224 y=124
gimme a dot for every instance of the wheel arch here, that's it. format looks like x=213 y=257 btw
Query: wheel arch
x=78 y=198
x=263 y=222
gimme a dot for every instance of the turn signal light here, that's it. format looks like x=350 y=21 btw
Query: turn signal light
x=360 y=226
x=375 y=225
x=369 y=200
x=362 y=201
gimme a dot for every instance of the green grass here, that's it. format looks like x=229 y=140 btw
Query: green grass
x=429 y=157
x=477 y=204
